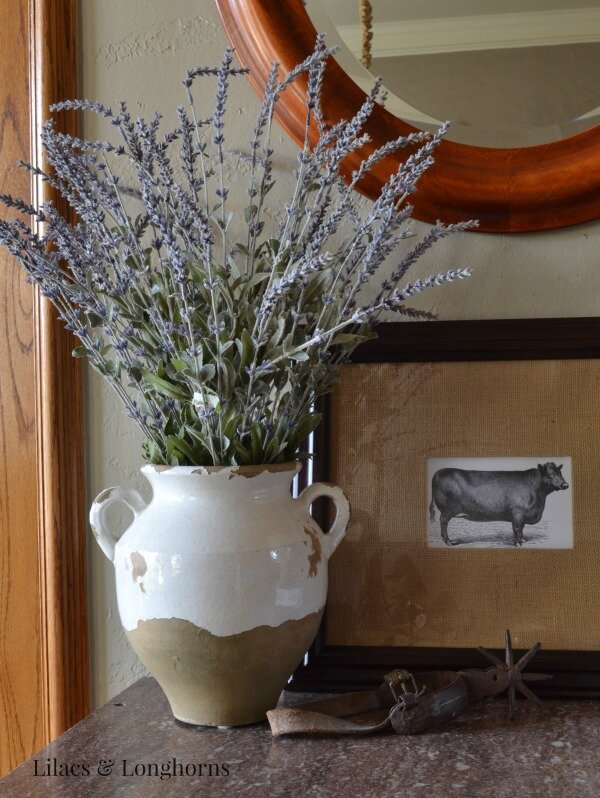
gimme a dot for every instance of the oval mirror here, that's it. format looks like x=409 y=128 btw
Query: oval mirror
x=517 y=79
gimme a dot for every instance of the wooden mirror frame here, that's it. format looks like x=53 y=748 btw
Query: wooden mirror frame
x=509 y=190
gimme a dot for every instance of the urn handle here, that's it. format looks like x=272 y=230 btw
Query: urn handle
x=102 y=529
x=342 y=511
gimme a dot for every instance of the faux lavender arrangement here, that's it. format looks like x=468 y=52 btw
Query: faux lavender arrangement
x=217 y=346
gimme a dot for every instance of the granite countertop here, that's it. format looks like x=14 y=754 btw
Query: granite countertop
x=551 y=750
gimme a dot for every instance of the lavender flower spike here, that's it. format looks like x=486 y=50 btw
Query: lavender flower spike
x=217 y=346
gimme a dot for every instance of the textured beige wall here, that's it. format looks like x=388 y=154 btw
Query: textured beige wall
x=140 y=49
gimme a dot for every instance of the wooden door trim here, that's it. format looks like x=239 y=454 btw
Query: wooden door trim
x=59 y=409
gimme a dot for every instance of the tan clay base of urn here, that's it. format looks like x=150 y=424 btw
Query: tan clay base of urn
x=222 y=681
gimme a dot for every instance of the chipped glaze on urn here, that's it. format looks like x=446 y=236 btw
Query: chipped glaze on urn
x=221 y=582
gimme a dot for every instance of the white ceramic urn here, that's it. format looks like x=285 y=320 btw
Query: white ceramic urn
x=221 y=582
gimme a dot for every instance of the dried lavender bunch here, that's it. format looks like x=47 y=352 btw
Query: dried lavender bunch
x=219 y=347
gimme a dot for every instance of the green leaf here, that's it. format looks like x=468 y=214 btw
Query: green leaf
x=250 y=212
x=230 y=427
x=212 y=400
x=174 y=456
x=256 y=279
x=247 y=354
x=256 y=443
x=180 y=365
x=307 y=425
x=183 y=448
x=300 y=357
x=228 y=377
x=94 y=319
x=79 y=351
x=288 y=343
x=164 y=386
x=152 y=453
x=272 y=449
x=207 y=372
x=315 y=288
x=112 y=367
x=198 y=436
x=242 y=455
x=347 y=338
x=223 y=223
x=278 y=334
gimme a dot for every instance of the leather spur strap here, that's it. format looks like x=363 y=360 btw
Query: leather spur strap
x=400 y=703
x=409 y=707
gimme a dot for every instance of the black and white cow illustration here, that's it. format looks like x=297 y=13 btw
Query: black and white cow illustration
x=515 y=496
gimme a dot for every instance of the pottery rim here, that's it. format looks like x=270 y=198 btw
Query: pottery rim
x=247 y=471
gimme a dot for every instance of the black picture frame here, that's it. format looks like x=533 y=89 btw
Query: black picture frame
x=576 y=674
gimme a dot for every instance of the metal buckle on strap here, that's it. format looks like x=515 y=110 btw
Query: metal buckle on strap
x=397 y=681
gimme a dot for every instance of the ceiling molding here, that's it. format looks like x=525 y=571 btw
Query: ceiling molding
x=481 y=32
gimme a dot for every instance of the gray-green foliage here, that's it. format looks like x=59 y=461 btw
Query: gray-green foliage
x=218 y=347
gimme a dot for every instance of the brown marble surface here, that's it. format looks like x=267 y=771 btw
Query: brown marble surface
x=549 y=751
